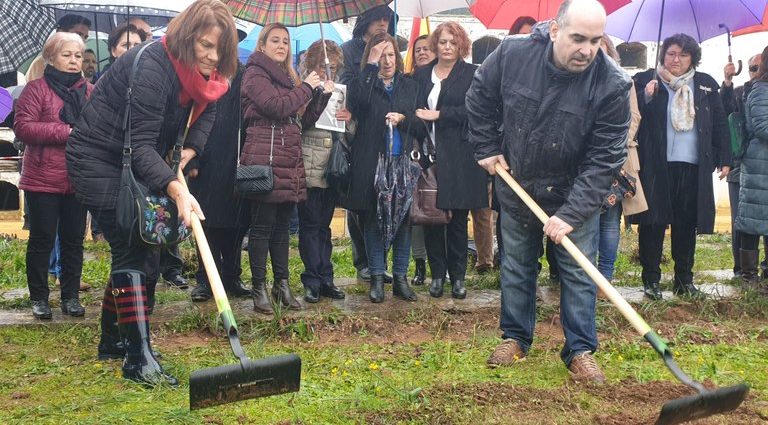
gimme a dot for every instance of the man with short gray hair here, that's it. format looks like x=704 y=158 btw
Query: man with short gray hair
x=564 y=118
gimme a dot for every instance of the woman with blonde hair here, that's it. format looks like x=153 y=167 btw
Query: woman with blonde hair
x=182 y=75
x=316 y=213
x=272 y=99
x=45 y=114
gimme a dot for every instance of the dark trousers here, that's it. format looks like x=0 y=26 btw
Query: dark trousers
x=733 y=197
x=315 y=247
x=138 y=257
x=447 y=246
x=269 y=235
x=171 y=263
x=226 y=248
x=683 y=189
x=47 y=212
x=356 y=229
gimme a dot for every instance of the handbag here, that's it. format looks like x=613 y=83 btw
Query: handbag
x=624 y=187
x=254 y=180
x=146 y=216
x=424 y=210
x=337 y=171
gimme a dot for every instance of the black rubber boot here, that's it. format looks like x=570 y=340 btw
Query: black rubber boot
x=151 y=286
x=110 y=345
x=652 y=291
x=421 y=272
x=401 y=289
x=260 y=300
x=376 y=295
x=140 y=365
x=281 y=294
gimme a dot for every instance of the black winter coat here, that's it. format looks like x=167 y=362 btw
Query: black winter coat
x=215 y=182
x=753 y=189
x=461 y=183
x=733 y=101
x=369 y=104
x=94 y=149
x=562 y=134
x=714 y=150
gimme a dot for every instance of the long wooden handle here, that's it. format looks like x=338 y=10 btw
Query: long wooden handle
x=613 y=295
x=222 y=303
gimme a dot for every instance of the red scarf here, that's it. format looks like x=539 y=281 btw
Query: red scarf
x=194 y=87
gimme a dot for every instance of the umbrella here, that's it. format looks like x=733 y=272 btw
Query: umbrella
x=295 y=13
x=644 y=20
x=301 y=36
x=394 y=182
x=25 y=26
x=143 y=8
x=754 y=28
x=501 y=14
x=6 y=103
x=424 y=8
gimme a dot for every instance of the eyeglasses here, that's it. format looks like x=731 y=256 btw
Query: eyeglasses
x=753 y=68
x=681 y=55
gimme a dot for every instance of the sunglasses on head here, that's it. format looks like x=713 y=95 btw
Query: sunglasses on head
x=753 y=68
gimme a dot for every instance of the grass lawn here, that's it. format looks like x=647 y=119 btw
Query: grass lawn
x=424 y=365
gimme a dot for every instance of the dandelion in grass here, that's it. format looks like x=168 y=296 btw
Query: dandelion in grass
x=373 y=366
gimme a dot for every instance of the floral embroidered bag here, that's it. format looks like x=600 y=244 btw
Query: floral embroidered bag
x=146 y=216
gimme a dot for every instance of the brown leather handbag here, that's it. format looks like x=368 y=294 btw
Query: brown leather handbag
x=424 y=210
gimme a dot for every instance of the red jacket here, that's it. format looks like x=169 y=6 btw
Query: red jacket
x=269 y=96
x=38 y=126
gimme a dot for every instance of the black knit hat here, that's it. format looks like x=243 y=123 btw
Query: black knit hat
x=370 y=16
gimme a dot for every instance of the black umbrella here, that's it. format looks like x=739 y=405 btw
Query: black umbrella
x=26 y=25
x=395 y=181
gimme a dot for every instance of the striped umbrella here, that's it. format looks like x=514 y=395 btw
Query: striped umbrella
x=25 y=27
x=294 y=13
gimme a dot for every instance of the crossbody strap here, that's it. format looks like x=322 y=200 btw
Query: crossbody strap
x=127 y=115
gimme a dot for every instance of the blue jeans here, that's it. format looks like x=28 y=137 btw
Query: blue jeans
x=54 y=263
x=608 y=240
x=523 y=244
x=374 y=247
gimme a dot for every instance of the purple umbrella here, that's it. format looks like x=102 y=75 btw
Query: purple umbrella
x=653 y=20
x=6 y=103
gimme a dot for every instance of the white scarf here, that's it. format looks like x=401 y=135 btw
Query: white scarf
x=683 y=111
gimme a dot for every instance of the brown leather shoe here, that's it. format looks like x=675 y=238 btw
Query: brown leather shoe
x=506 y=354
x=584 y=368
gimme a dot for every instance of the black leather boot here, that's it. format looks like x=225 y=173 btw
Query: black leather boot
x=376 y=294
x=436 y=288
x=401 y=289
x=311 y=295
x=652 y=290
x=749 y=275
x=686 y=289
x=329 y=290
x=421 y=272
x=236 y=289
x=260 y=300
x=41 y=310
x=72 y=307
x=201 y=292
x=458 y=290
x=281 y=294
x=140 y=364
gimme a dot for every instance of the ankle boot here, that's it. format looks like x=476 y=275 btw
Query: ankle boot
x=749 y=276
x=140 y=365
x=436 y=289
x=686 y=289
x=281 y=294
x=652 y=291
x=376 y=294
x=421 y=272
x=401 y=289
x=458 y=290
x=260 y=300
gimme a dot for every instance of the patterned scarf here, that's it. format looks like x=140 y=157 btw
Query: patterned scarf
x=683 y=111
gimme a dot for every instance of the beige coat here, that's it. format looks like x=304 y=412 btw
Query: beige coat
x=637 y=203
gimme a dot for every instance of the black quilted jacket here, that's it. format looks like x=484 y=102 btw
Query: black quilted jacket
x=94 y=149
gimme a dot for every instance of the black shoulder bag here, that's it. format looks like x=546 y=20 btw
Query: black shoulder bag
x=146 y=216
x=254 y=180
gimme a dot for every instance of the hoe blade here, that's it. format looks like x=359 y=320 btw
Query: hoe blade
x=702 y=405
x=245 y=380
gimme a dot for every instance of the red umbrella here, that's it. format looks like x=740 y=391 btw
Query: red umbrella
x=755 y=28
x=500 y=14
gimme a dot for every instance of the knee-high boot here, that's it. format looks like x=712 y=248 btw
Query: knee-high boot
x=110 y=345
x=140 y=365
